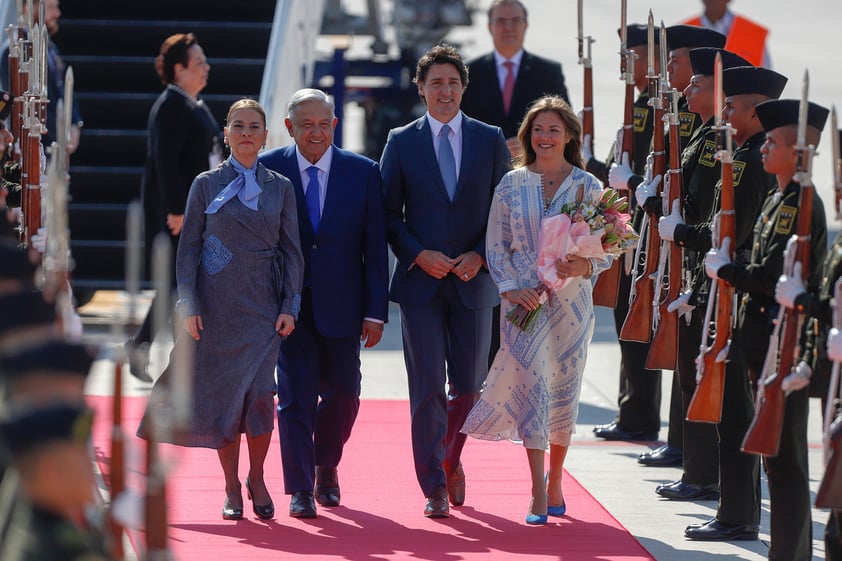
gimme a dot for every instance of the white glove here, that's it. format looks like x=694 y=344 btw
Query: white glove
x=790 y=287
x=834 y=344
x=681 y=305
x=716 y=258
x=39 y=240
x=646 y=190
x=667 y=224
x=618 y=175
x=587 y=155
x=797 y=379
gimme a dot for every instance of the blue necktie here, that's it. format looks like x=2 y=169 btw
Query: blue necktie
x=312 y=197
x=447 y=162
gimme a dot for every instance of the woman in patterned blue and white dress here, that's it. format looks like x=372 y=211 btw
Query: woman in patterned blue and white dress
x=532 y=391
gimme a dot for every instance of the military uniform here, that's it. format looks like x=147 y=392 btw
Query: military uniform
x=36 y=534
x=36 y=531
x=639 y=398
x=738 y=472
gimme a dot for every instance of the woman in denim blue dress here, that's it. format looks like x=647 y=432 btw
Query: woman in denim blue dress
x=239 y=269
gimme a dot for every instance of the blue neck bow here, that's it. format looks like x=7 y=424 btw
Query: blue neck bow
x=244 y=187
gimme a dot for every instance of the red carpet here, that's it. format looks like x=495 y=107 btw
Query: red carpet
x=381 y=513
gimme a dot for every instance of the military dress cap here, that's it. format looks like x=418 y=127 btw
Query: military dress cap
x=26 y=429
x=752 y=80
x=6 y=101
x=691 y=37
x=776 y=113
x=20 y=310
x=637 y=35
x=703 y=60
x=55 y=357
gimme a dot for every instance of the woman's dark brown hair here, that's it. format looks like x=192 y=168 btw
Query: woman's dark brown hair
x=553 y=104
x=173 y=51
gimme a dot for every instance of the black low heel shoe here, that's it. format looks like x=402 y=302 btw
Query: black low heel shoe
x=231 y=513
x=264 y=512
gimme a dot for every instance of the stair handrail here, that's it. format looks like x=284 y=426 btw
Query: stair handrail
x=290 y=59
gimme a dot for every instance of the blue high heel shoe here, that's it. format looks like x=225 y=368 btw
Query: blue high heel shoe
x=556 y=510
x=553 y=510
x=536 y=519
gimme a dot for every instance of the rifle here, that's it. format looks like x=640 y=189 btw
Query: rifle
x=706 y=404
x=829 y=494
x=764 y=433
x=607 y=285
x=663 y=352
x=640 y=318
x=156 y=513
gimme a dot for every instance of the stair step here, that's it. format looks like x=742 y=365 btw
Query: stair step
x=144 y=37
x=114 y=110
x=117 y=147
x=98 y=264
x=97 y=221
x=105 y=184
x=240 y=76
x=186 y=10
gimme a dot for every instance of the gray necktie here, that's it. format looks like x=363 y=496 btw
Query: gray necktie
x=447 y=162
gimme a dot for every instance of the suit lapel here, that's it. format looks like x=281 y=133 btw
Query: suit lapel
x=521 y=80
x=333 y=193
x=295 y=178
x=468 y=142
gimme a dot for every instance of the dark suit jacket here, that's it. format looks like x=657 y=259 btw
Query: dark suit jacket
x=483 y=99
x=421 y=216
x=346 y=261
x=181 y=135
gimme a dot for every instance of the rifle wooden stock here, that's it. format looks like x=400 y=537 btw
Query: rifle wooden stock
x=587 y=109
x=607 y=286
x=829 y=494
x=706 y=404
x=155 y=515
x=33 y=186
x=764 y=433
x=663 y=352
x=118 y=469
x=638 y=324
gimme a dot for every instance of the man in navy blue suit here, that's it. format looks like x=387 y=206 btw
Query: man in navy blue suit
x=344 y=300
x=439 y=174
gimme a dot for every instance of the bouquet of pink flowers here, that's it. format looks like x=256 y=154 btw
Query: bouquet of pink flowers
x=585 y=229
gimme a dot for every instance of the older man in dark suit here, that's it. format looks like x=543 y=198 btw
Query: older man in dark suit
x=344 y=301
x=439 y=175
x=504 y=82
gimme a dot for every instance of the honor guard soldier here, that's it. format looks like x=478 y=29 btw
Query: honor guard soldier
x=700 y=172
x=639 y=399
x=823 y=347
x=787 y=473
x=48 y=448
x=743 y=88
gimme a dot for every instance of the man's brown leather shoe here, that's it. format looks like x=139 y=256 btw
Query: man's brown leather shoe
x=456 y=486
x=327 y=486
x=437 y=506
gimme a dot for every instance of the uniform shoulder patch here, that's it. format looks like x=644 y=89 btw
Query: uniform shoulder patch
x=641 y=116
x=687 y=122
x=738 y=172
x=707 y=157
x=786 y=219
